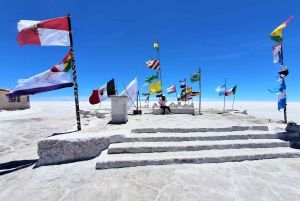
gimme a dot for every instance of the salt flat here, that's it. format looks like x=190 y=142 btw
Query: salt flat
x=273 y=179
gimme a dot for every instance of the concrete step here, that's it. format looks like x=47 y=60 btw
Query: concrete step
x=198 y=157
x=150 y=147
x=204 y=136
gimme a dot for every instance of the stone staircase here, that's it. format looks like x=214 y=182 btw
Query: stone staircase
x=164 y=148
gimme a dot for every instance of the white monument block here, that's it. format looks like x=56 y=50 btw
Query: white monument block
x=118 y=109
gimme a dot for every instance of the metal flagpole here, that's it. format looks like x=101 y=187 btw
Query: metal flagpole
x=157 y=57
x=224 y=96
x=185 y=91
x=233 y=102
x=176 y=93
x=200 y=91
x=74 y=76
x=283 y=81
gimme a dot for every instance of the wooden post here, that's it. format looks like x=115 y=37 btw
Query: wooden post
x=74 y=76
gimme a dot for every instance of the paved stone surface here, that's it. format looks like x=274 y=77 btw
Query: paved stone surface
x=150 y=147
x=205 y=156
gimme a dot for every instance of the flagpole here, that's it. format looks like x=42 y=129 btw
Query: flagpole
x=157 y=57
x=200 y=91
x=283 y=81
x=185 y=91
x=233 y=102
x=176 y=93
x=74 y=75
x=224 y=96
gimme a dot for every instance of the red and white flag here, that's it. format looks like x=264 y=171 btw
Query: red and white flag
x=53 y=32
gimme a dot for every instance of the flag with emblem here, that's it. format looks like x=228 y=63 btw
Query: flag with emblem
x=131 y=92
x=52 y=32
x=103 y=93
x=195 y=77
x=49 y=80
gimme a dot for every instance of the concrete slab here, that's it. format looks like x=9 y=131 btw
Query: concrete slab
x=107 y=161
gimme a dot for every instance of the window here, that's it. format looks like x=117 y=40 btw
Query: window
x=14 y=99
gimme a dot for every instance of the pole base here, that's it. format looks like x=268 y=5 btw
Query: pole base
x=135 y=112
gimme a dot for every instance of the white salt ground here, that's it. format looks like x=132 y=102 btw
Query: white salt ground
x=20 y=131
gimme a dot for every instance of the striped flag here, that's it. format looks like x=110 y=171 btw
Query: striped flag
x=153 y=64
x=195 y=94
x=171 y=89
x=156 y=45
x=277 y=33
x=277 y=54
x=281 y=92
x=221 y=90
x=159 y=94
x=43 y=82
x=231 y=91
x=188 y=90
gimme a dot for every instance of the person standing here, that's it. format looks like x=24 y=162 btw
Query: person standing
x=162 y=102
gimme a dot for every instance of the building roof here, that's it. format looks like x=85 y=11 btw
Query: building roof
x=6 y=90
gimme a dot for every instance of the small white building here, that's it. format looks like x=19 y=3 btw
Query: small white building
x=20 y=102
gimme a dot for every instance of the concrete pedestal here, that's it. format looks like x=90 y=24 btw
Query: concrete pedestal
x=118 y=109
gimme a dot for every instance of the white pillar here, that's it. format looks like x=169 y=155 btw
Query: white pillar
x=119 y=109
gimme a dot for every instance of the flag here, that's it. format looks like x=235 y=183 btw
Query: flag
x=183 y=97
x=47 y=81
x=159 y=94
x=281 y=92
x=231 y=91
x=155 y=87
x=156 y=45
x=282 y=97
x=276 y=35
x=194 y=93
x=182 y=83
x=277 y=54
x=188 y=90
x=195 y=77
x=147 y=99
x=53 y=32
x=146 y=93
x=190 y=97
x=183 y=92
x=221 y=90
x=131 y=92
x=101 y=94
x=171 y=89
x=147 y=83
x=152 y=77
x=283 y=72
x=153 y=64
x=65 y=65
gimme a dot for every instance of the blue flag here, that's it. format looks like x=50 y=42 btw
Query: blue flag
x=221 y=90
x=182 y=83
x=281 y=92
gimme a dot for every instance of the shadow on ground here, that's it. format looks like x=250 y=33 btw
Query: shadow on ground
x=13 y=166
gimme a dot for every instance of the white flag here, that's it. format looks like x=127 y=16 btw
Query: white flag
x=43 y=82
x=131 y=92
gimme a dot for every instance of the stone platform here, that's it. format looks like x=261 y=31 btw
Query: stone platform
x=125 y=148
x=175 y=109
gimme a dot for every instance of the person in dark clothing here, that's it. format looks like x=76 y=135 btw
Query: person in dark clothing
x=162 y=102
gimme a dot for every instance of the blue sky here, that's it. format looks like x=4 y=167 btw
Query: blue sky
x=113 y=39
